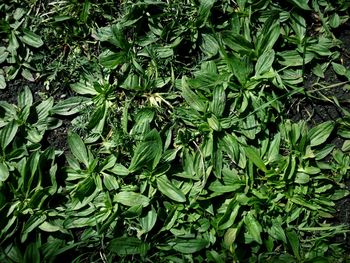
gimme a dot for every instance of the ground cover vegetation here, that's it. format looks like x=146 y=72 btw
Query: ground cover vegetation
x=174 y=131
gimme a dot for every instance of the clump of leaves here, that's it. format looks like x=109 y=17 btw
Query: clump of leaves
x=181 y=149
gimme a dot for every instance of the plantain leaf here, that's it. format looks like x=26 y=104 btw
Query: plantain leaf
x=170 y=190
x=8 y=133
x=190 y=246
x=254 y=156
x=32 y=39
x=320 y=133
x=253 y=226
x=192 y=98
x=131 y=199
x=148 y=152
x=123 y=246
x=78 y=148
x=264 y=62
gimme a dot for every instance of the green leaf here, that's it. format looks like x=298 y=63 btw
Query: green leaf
x=25 y=98
x=148 y=222
x=320 y=133
x=32 y=39
x=48 y=227
x=131 y=199
x=204 y=11
x=210 y=46
x=32 y=254
x=111 y=60
x=70 y=106
x=170 y=190
x=84 y=88
x=217 y=106
x=253 y=226
x=8 y=133
x=302 y=4
x=2 y=82
x=190 y=246
x=30 y=225
x=4 y=172
x=334 y=20
x=78 y=148
x=120 y=169
x=264 y=62
x=127 y=246
x=27 y=75
x=192 y=98
x=294 y=242
x=254 y=156
x=85 y=188
x=148 y=152
x=339 y=69
x=237 y=42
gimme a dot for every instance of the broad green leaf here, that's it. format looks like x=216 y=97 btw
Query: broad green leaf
x=4 y=172
x=13 y=43
x=2 y=82
x=78 y=148
x=48 y=227
x=334 y=20
x=3 y=55
x=32 y=254
x=320 y=133
x=149 y=220
x=120 y=169
x=240 y=67
x=131 y=199
x=210 y=46
x=8 y=133
x=70 y=106
x=32 y=39
x=253 y=226
x=111 y=60
x=111 y=182
x=25 y=98
x=217 y=106
x=190 y=246
x=96 y=116
x=277 y=232
x=84 y=88
x=192 y=98
x=169 y=189
x=123 y=246
x=85 y=188
x=148 y=152
x=292 y=58
x=274 y=147
x=30 y=225
x=302 y=178
x=230 y=236
x=27 y=75
x=300 y=201
x=204 y=11
x=294 y=242
x=302 y=4
x=339 y=69
x=214 y=123
x=268 y=37
x=254 y=156
x=164 y=52
x=237 y=42
x=346 y=146
x=264 y=62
